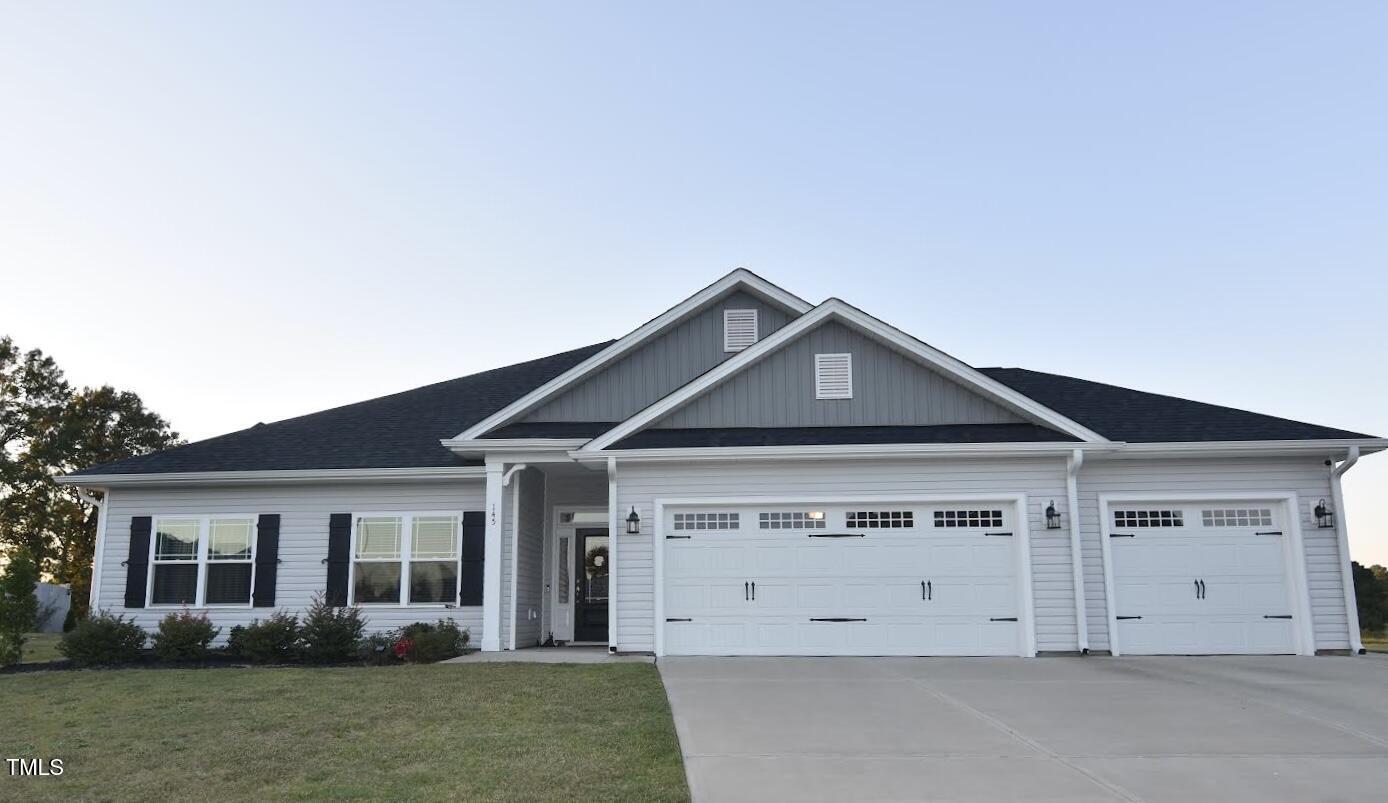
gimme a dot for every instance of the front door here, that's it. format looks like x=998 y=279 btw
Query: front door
x=590 y=586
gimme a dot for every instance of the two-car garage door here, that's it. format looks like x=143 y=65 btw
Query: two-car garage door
x=843 y=579
x=1201 y=578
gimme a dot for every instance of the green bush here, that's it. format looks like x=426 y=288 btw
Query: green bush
x=273 y=641
x=233 y=646
x=184 y=636
x=429 y=643
x=19 y=606
x=103 y=639
x=378 y=649
x=330 y=634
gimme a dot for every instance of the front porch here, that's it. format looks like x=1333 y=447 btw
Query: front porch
x=552 y=587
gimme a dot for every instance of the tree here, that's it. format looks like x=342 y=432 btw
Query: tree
x=19 y=605
x=47 y=429
x=1371 y=592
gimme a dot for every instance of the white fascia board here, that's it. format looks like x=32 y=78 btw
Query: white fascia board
x=741 y=276
x=1248 y=448
x=838 y=309
x=479 y=446
x=250 y=477
x=846 y=451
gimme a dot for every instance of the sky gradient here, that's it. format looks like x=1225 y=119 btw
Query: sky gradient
x=262 y=210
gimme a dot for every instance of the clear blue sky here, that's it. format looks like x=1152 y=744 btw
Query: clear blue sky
x=267 y=209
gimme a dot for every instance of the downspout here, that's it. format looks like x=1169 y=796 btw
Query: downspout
x=93 y=593
x=515 y=550
x=1072 y=502
x=613 y=537
x=1337 y=493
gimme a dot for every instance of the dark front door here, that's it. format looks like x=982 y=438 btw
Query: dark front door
x=590 y=595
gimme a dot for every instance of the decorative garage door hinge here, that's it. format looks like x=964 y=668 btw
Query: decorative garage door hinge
x=1127 y=617
x=677 y=537
x=679 y=620
x=1278 y=616
x=1002 y=535
x=837 y=619
x=1121 y=535
x=1003 y=619
x=838 y=535
x=1272 y=532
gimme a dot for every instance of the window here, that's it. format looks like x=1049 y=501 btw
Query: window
x=1237 y=517
x=1148 y=518
x=792 y=520
x=739 y=329
x=707 y=521
x=881 y=519
x=968 y=518
x=203 y=560
x=406 y=559
x=833 y=376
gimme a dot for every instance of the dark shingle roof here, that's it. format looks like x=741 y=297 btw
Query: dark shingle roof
x=1121 y=414
x=397 y=431
x=806 y=436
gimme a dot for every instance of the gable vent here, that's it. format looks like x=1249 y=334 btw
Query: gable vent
x=739 y=329
x=833 y=376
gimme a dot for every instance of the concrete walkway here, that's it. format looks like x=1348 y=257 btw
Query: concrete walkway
x=1072 y=729
x=550 y=655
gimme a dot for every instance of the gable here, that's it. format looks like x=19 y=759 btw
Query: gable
x=889 y=389
x=660 y=366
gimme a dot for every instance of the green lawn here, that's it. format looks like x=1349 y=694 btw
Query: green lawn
x=472 y=732
x=1375 y=643
x=41 y=647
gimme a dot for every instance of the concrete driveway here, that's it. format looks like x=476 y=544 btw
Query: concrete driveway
x=1073 y=729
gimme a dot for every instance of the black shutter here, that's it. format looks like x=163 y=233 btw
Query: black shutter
x=137 y=564
x=267 y=559
x=339 y=557
x=474 y=558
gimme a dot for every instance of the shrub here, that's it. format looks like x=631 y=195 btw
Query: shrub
x=19 y=605
x=424 y=643
x=184 y=636
x=330 y=634
x=378 y=649
x=234 y=636
x=103 y=639
x=273 y=641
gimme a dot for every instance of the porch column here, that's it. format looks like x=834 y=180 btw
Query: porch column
x=491 y=574
x=614 y=535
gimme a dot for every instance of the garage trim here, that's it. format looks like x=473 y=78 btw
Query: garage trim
x=1022 y=542
x=1294 y=553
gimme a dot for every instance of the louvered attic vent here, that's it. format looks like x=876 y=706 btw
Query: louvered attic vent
x=739 y=329
x=833 y=376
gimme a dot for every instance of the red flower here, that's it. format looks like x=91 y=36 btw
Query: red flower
x=402 y=648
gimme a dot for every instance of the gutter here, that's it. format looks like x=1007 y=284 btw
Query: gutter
x=846 y=451
x=93 y=589
x=1072 y=502
x=251 y=477
x=1356 y=642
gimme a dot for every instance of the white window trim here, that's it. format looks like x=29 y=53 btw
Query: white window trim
x=819 y=360
x=406 y=545
x=204 y=543
x=756 y=329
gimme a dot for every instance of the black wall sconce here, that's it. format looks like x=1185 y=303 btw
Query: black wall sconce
x=633 y=523
x=1052 y=517
x=1325 y=517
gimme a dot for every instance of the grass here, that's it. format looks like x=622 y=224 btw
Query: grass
x=41 y=648
x=481 y=732
x=1375 y=643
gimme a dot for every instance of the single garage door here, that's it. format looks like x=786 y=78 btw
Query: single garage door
x=1200 y=579
x=868 y=579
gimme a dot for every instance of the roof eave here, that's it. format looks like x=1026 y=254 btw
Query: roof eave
x=254 y=477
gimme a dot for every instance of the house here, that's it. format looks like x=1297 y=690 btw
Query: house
x=752 y=474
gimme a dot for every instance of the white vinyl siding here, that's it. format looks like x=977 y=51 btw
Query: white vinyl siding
x=304 y=510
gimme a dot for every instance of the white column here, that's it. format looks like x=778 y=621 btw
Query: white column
x=491 y=575
x=616 y=525
x=1072 y=504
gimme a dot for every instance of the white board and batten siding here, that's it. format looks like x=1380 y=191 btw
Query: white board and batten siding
x=304 y=510
x=1240 y=479
x=1039 y=479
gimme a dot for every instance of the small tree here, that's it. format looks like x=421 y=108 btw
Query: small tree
x=1371 y=594
x=19 y=605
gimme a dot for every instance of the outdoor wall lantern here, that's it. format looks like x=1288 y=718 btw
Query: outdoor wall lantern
x=633 y=523
x=1325 y=517
x=1052 y=517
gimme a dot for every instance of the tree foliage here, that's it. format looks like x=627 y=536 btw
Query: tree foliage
x=48 y=428
x=1371 y=593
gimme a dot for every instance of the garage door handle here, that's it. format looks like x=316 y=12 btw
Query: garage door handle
x=1003 y=619
x=1279 y=616
x=837 y=619
x=744 y=592
x=1273 y=532
x=1121 y=535
x=1197 y=588
x=1202 y=589
x=838 y=535
x=1127 y=617
x=679 y=620
x=1000 y=535
x=927 y=590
